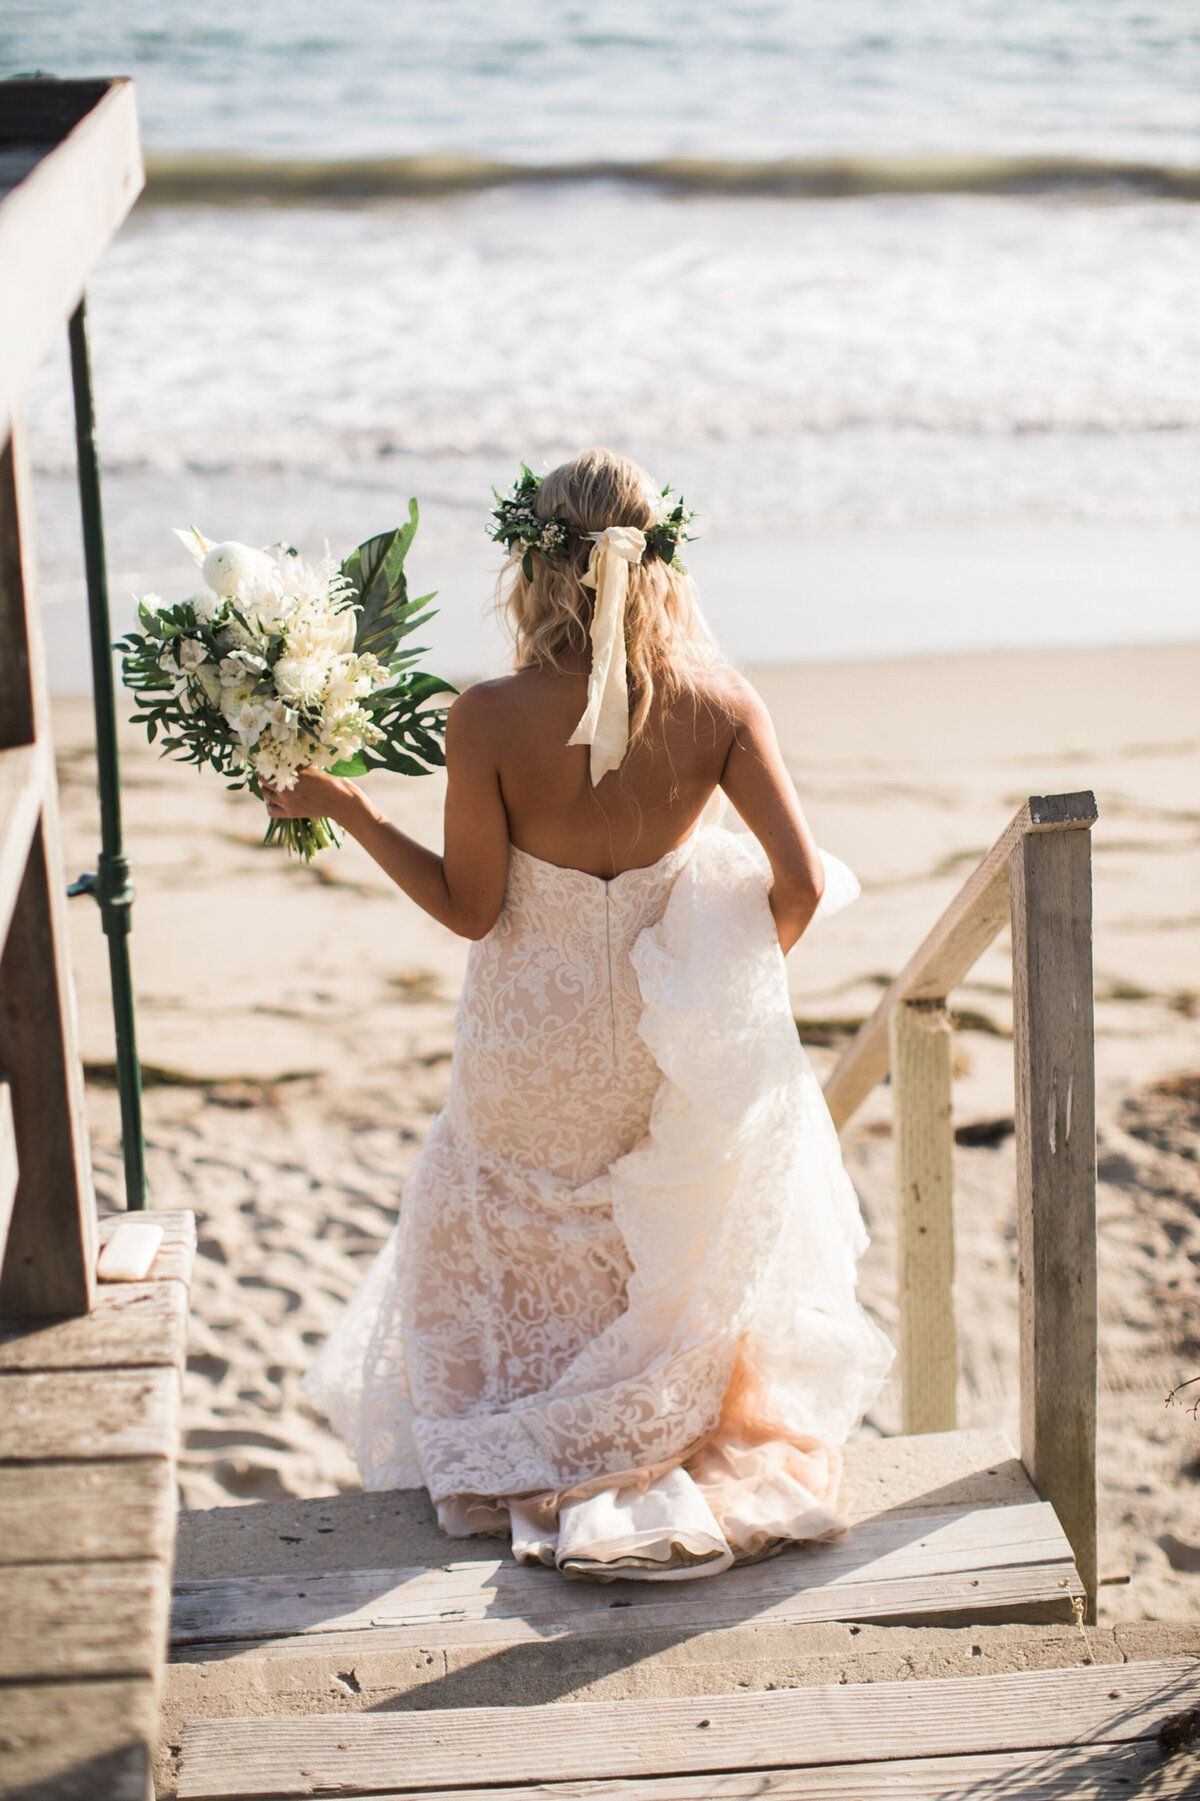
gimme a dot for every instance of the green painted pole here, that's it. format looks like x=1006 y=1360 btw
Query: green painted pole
x=110 y=886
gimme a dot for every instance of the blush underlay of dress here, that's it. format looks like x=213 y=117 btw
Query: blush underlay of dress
x=617 y=1318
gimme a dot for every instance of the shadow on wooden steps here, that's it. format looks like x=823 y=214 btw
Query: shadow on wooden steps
x=359 y=1602
x=946 y=1529
x=1062 y=1733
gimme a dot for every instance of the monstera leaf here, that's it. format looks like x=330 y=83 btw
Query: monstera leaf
x=378 y=585
x=413 y=727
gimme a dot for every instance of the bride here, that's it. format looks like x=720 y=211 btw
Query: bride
x=616 y=1318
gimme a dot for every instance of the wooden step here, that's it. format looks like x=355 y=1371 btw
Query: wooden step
x=951 y=1567
x=975 y=1545
x=1078 y=1732
x=88 y=1425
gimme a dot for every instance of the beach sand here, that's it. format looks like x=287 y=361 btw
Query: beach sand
x=296 y=1028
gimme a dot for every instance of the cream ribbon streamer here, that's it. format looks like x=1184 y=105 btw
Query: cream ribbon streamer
x=605 y=723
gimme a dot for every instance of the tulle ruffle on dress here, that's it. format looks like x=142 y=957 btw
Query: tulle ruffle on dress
x=617 y=1316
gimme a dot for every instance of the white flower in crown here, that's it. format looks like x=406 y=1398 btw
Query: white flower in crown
x=659 y=505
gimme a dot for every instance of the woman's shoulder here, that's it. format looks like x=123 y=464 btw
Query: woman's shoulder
x=717 y=690
x=511 y=705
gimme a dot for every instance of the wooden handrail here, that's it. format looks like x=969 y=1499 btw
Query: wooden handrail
x=1038 y=875
x=957 y=941
x=57 y=222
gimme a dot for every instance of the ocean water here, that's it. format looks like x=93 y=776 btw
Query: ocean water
x=831 y=271
x=564 y=80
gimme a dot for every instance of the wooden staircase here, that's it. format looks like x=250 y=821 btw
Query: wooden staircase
x=308 y=1637
x=302 y=1671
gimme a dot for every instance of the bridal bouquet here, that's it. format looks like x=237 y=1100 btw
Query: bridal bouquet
x=275 y=665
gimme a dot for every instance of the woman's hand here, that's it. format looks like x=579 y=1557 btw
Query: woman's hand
x=315 y=796
x=464 y=888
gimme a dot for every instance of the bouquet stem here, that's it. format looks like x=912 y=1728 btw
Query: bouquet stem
x=305 y=837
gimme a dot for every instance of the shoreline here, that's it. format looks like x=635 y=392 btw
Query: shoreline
x=822 y=596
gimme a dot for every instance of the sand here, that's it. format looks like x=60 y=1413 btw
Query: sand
x=296 y=1026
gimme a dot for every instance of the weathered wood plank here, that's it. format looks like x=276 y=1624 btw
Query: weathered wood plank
x=54 y=227
x=75 y=1620
x=50 y=1256
x=132 y=1325
x=85 y=1414
x=922 y=1047
x=961 y=935
x=1092 y=1773
x=22 y=786
x=922 y=1472
x=937 y=1563
x=1029 y=1596
x=1055 y=1111
x=83 y=1512
x=178 y=1250
x=631 y=1739
x=77 y=1741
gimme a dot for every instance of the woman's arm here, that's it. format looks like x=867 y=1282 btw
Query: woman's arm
x=756 y=781
x=464 y=887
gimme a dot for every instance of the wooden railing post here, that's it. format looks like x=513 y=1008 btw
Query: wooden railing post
x=1051 y=889
x=921 y=1042
x=49 y=1260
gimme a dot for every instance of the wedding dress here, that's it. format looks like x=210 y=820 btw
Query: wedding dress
x=617 y=1315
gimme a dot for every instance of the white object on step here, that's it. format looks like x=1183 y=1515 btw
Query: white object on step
x=129 y=1252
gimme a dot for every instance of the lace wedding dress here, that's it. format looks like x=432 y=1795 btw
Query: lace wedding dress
x=617 y=1316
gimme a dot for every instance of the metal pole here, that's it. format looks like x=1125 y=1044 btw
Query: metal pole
x=110 y=886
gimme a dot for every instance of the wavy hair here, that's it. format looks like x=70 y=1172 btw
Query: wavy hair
x=667 y=642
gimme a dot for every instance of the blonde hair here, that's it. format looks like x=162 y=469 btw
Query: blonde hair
x=666 y=640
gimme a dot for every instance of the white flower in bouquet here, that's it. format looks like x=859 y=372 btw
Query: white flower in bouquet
x=301 y=679
x=233 y=570
x=247 y=720
x=205 y=604
x=240 y=665
x=235 y=636
x=278 y=665
x=192 y=652
x=284 y=722
x=354 y=678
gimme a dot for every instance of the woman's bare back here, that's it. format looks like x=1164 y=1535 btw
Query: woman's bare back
x=513 y=779
x=633 y=816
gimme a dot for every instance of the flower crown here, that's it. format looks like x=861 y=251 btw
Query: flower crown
x=519 y=528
